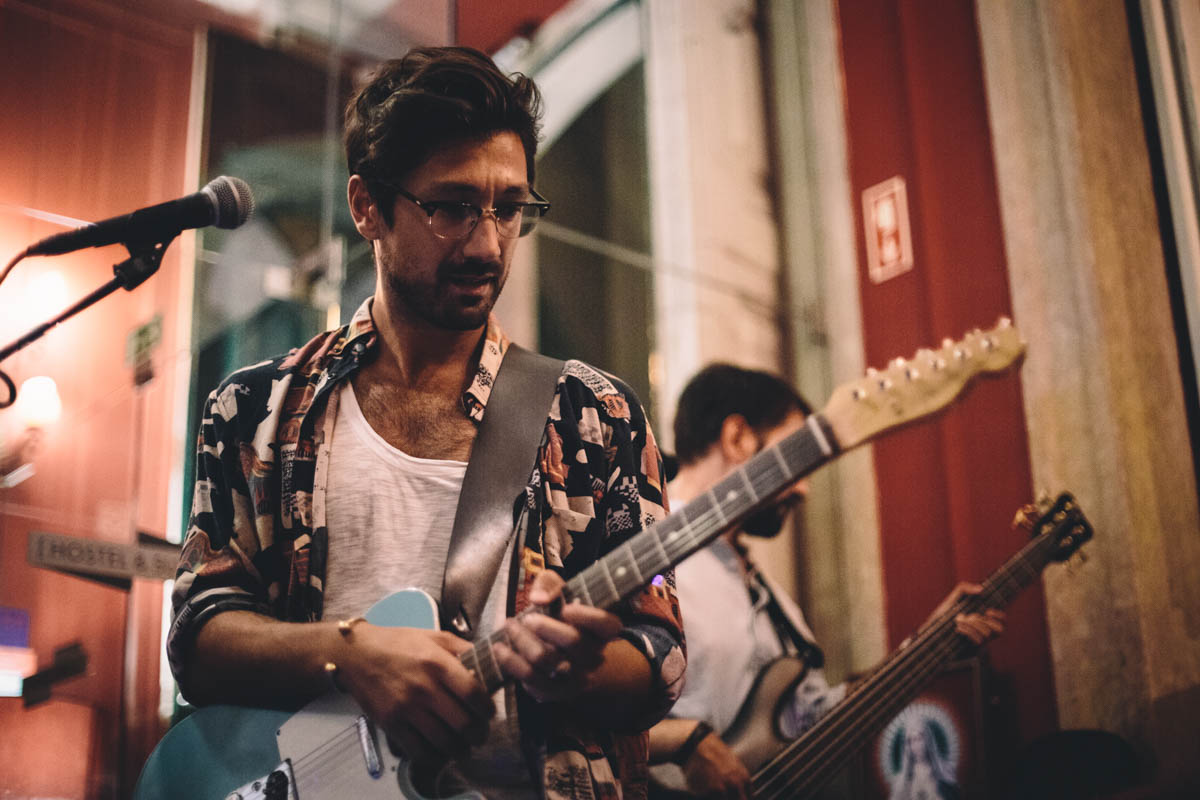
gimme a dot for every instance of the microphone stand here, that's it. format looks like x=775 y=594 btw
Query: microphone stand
x=143 y=261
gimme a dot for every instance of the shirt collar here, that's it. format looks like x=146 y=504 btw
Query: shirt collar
x=495 y=344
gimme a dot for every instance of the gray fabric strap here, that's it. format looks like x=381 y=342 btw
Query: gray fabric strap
x=502 y=459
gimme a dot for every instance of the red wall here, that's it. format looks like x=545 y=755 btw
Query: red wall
x=948 y=488
x=488 y=25
x=95 y=125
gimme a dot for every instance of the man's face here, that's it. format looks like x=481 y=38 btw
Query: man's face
x=452 y=283
x=768 y=521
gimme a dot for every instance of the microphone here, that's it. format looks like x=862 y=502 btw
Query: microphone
x=225 y=202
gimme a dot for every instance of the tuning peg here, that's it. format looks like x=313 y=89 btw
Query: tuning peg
x=1025 y=517
x=1004 y=322
x=897 y=362
x=872 y=372
x=947 y=342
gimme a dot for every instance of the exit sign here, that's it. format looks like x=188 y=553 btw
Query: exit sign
x=889 y=236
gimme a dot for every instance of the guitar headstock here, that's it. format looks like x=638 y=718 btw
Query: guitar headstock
x=909 y=389
x=1062 y=519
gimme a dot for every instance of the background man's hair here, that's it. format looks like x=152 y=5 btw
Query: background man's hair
x=431 y=97
x=719 y=390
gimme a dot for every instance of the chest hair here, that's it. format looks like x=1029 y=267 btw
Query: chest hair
x=422 y=424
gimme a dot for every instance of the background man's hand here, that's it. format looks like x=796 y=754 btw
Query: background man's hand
x=979 y=628
x=714 y=771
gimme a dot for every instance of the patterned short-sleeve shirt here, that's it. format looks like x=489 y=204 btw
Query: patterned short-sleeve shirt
x=257 y=538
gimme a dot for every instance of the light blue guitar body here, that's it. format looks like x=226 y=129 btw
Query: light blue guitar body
x=325 y=751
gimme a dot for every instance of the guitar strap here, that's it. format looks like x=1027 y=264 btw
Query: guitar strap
x=793 y=633
x=502 y=459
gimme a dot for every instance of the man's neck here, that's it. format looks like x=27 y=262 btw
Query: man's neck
x=414 y=353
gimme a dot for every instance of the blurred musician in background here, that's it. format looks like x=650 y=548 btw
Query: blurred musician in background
x=737 y=620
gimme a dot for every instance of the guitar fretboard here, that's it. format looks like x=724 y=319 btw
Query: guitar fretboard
x=634 y=563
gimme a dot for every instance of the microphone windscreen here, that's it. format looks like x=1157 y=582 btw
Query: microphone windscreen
x=234 y=201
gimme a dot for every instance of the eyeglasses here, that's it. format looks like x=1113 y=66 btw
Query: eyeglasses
x=449 y=219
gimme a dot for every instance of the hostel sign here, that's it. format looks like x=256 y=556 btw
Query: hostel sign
x=108 y=562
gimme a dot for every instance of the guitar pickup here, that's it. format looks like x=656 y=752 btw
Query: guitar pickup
x=278 y=784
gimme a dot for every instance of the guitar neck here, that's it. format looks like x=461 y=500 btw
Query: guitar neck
x=633 y=564
x=824 y=748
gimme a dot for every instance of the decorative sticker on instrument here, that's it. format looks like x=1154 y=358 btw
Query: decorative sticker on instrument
x=919 y=752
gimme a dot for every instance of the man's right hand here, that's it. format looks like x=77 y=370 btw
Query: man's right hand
x=407 y=680
x=713 y=770
x=411 y=683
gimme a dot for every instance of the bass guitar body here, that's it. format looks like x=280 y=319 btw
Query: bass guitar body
x=756 y=734
x=328 y=750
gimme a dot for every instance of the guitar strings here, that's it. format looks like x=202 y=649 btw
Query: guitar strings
x=912 y=675
x=767 y=473
x=909 y=664
x=997 y=587
x=313 y=765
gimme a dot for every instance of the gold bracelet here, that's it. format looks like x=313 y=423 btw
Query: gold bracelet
x=346 y=626
x=331 y=670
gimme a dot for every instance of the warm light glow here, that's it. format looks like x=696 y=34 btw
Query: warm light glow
x=47 y=292
x=38 y=404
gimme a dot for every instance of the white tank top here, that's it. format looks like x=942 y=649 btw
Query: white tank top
x=390 y=517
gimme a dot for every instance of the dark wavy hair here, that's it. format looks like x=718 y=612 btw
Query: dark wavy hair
x=720 y=390
x=432 y=96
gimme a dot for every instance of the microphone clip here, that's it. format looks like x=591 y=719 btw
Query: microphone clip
x=144 y=260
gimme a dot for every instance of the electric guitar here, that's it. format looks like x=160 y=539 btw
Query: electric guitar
x=795 y=769
x=329 y=749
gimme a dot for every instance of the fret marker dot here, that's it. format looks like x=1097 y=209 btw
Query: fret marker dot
x=620 y=572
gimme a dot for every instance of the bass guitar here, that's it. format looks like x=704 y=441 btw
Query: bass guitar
x=782 y=768
x=330 y=750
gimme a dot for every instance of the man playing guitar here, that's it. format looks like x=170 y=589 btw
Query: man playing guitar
x=328 y=477
x=737 y=620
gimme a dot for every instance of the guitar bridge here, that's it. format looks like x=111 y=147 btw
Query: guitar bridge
x=278 y=784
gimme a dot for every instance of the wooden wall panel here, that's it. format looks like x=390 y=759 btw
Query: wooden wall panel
x=95 y=125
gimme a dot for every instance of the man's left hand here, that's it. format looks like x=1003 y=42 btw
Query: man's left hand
x=553 y=656
x=979 y=628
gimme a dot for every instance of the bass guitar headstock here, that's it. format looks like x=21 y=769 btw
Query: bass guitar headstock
x=1062 y=520
x=909 y=389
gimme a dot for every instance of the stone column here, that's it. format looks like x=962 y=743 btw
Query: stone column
x=1101 y=382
